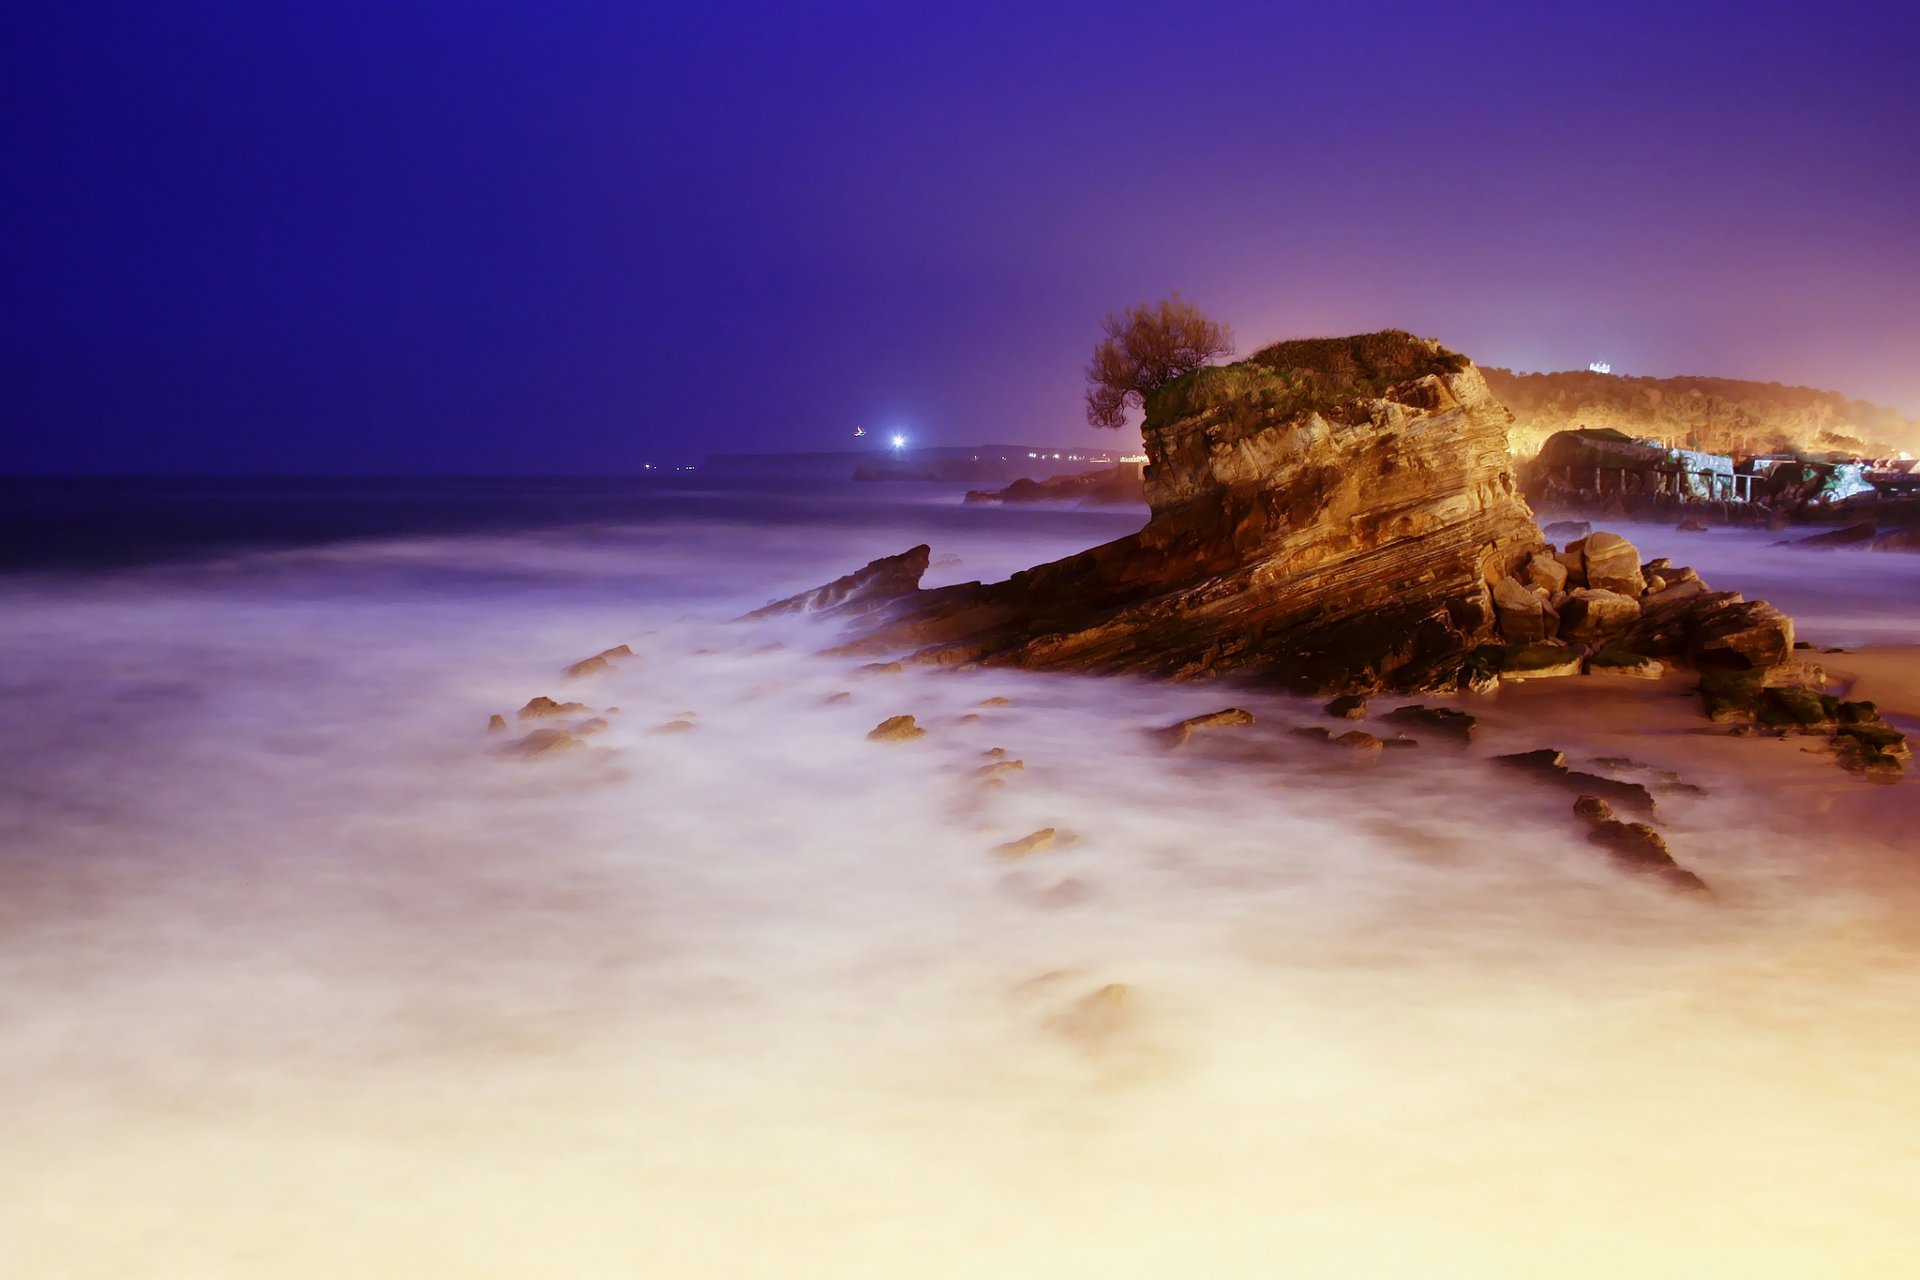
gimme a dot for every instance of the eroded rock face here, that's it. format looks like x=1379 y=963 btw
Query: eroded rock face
x=1330 y=513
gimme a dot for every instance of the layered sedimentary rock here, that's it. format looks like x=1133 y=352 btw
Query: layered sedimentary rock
x=1330 y=513
x=1336 y=515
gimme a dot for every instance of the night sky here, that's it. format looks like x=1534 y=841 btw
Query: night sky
x=573 y=238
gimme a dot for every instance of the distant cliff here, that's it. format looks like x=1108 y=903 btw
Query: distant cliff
x=1718 y=415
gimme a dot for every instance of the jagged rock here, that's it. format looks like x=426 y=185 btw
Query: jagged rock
x=1565 y=531
x=1538 y=662
x=1038 y=842
x=1634 y=845
x=1327 y=513
x=1791 y=709
x=601 y=661
x=1852 y=536
x=1740 y=635
x=1443 y=720
x=541 y=743
x=1612 y=564
x=1618 y=662
x=1593 y=614
x=496 y=723
x=896 y=729
x=1348 y=706
x=543 y=707
x=881 y=583
x=1867 y=744
x=1550 y=765
x=1117 y=484
x=1522 y=614
x=1176 y=735
x=1546 y=571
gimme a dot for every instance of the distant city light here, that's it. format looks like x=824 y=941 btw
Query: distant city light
x=899 y=442
x=1599 y=366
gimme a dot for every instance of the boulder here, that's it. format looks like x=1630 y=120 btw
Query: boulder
x=1348 y=706
x=1618 y=662
x=1592 y=614
x=1739 y=635
x=896 y=729
x=1612 y=564
x=1546 y=571
x=1539 y=661
x=1522 y=614
x=1361 y=741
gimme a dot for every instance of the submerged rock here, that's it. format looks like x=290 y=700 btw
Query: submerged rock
x=1550 y=765
x=1038 y=842
x=543 y=707
x=541 y=743
x=863 y=591
x=1177 y=735
x=1634 y=846
x=601 y=661
x=896 y=729
x=1443 y=720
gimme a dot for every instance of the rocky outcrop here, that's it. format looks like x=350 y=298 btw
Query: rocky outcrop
x=1334 y=515
x=1116 y=485
x=1329 y=513
x=883 y=582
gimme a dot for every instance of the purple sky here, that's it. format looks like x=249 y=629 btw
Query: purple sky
x=577 y=237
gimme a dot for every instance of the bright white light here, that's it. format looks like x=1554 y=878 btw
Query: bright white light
x=899 y=442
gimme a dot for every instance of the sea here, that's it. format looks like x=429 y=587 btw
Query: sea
x=302 y=975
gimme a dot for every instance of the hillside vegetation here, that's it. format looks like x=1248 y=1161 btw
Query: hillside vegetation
x=1719 y=415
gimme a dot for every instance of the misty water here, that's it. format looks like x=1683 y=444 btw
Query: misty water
x=300 y=978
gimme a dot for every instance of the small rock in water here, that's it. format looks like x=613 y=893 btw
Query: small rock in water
x=969 y=718
x=587 y=728
x=673 y=726
x=896 y=729
x=1348 y=706
x=1176 y=735
x=995 y=701
x=540 y=743
x=1097 y=1016
x=998 y=769
x=1445 y=720
x=602 y=661
x=1361 y=741
x=842 y=695
x=995 y=753
x=1634 y=845
x=1038 y=842
x=544 y=707
x=496 y=724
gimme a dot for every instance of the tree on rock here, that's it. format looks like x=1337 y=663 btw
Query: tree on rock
x=1147 y=347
